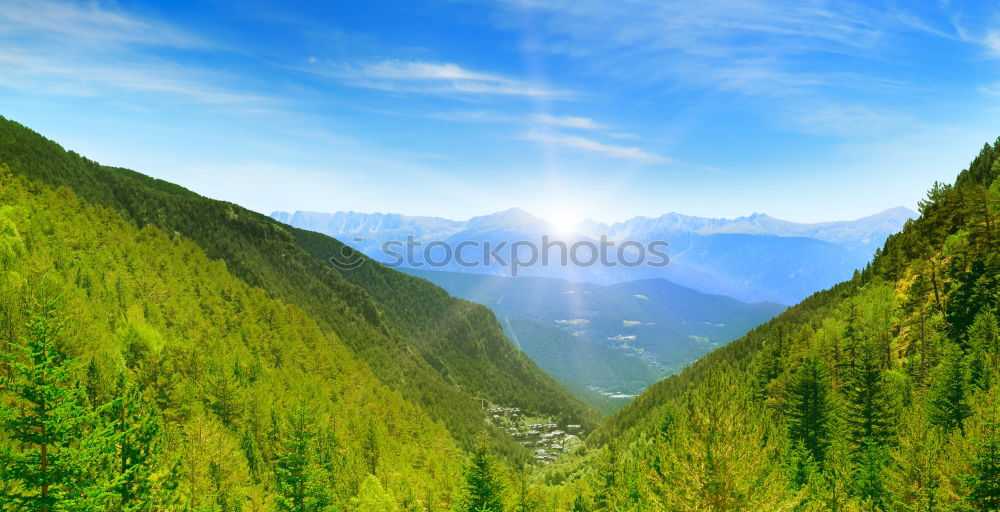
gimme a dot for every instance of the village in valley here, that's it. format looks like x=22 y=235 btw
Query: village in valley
x=546 y=438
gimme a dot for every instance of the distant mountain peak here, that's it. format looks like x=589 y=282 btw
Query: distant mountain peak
x=510 y=217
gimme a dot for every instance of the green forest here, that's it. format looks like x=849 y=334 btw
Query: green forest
x=164 y=351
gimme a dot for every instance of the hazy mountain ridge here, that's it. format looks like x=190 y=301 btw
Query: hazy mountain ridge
x=754 y=258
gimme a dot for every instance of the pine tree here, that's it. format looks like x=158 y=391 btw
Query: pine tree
x=668 y=424
x=483 y=487
x=949 y=403
x=722 y=456
x=870 y=407
x=801 y=465
x=223 y=395
x=869 y=474
x=915 y=471
x=302 y=484
x=255 y=461
x=138 y=451
x=983 y=481
x=526 y=499
x=984 y=339
x=870 y=414
x=373 y=498
x=610 y=485
x=809 y=409
x=370 y=447
x=59 y=443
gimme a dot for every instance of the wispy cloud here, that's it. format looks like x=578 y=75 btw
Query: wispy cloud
x=782 y=54
x=992 y=42
x=92 y=49
x=991 y=89
x=579 y=143
x=579 y=123
x=846 y=119
x=436 y=78
x=63 y=75
x=547 y=120
x=89 y=24
x=731 y=32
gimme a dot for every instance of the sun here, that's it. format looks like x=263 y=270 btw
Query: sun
x=562 y=222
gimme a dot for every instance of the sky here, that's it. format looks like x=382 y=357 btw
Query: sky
x=806 y=110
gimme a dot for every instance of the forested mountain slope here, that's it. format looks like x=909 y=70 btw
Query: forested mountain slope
x=156 y=380
x=432 y=353
x=882 y=393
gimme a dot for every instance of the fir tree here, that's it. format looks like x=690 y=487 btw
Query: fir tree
x=983 y=481
x=483 y=487
x=138 y=451
x=301 y=482
x=870 y=407
x=373 y=498
x=916 y=468
x=984 y=339
x=370 y=447
x=59 y=443
x=808 y=408
x=949 y=403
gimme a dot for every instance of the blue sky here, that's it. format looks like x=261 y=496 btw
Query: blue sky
x=806 y=110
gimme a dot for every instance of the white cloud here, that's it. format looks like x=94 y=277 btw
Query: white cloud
x=771 y=48
x=436 y=78
x=486 y=116
x=89 y=24
x=90 y=49
x=990 y=90
x=592 y=146
x=580 y=123
x=993 y=42
x=67 y=75
x=846 y=119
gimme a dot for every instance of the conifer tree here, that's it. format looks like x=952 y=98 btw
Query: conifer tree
x=526 y=499
x=983 y=481
x=373 y=498
x=722 y=456
x=801 y=465
x=949 y=403
x=255 y=461
x=984 y=339
x=302 y=484
x=224 y=396
x=139 y=447
x=870 y=407
x=483 y=487
x=59 y=444
x=809 y=409
x=611 y=484
x=915 y=470
x=370 y=447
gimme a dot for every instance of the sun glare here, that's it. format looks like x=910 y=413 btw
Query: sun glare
x=562 y=222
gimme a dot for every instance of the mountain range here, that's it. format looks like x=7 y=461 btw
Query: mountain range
x=754 y=258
